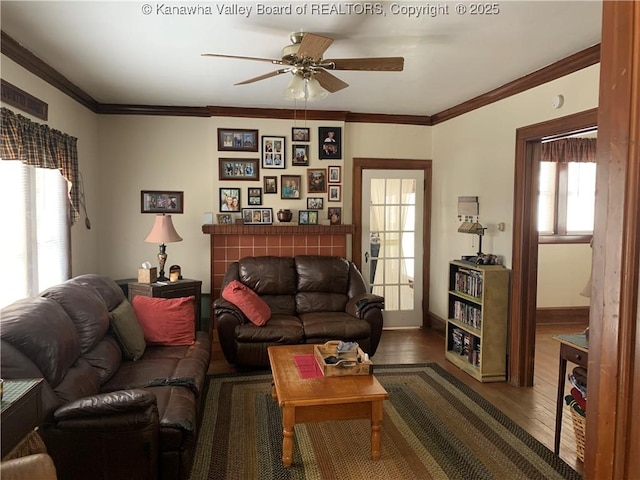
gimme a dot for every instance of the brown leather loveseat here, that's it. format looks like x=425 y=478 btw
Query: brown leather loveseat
x=105 y=417
x=313 y=299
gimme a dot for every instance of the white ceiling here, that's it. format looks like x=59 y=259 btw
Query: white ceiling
x=118 y=54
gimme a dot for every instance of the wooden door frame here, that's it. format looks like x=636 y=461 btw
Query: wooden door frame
x=524 y=264
x=360 y=164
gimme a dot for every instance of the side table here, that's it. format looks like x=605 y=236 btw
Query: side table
x=575 y=349
x=180 y=288
x=21 y=410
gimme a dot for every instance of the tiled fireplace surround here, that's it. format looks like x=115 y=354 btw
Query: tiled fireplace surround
x=229 y=243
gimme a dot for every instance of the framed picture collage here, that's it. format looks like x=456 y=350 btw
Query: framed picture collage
x=271 y=163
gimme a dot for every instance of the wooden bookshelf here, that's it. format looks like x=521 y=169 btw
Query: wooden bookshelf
x=476 y=333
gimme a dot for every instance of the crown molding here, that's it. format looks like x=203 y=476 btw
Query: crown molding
x=35 y=65
x=573 y=63
x=27 y=60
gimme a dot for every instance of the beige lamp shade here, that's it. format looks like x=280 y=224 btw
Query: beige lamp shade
x=163 y=231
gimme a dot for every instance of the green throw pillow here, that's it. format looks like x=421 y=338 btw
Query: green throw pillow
x=128 y=331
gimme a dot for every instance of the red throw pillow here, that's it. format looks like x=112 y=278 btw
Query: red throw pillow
x=254 y=308
x=166 y=321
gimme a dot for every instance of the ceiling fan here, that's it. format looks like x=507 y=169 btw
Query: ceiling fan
x=303 y=59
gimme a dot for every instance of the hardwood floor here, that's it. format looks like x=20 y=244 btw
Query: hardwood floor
x=532 y=408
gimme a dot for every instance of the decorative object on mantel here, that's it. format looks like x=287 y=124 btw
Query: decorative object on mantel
x=285 y=215
x=163 y=232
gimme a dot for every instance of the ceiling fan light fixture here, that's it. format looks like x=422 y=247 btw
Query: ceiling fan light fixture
x=315 y=91
x=296 y=88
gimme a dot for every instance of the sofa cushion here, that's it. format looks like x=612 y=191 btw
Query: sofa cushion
x=109 y=290
x=253 y=307
x=268 y=275
x=43 y=332
x=308 y=302
x=166 y=321
x=86 y=308
x=317 y=273
x=105 y=358
x=127 y=330
x=334 y=326
x=285 y=329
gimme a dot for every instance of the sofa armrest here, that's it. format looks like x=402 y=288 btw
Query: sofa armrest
x=227 y=318
x=359 y=305
x=107 y=404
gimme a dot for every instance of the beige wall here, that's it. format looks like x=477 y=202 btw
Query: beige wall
x=120 y=155
x=474 y=155
x=72 y=118
x=563 y=272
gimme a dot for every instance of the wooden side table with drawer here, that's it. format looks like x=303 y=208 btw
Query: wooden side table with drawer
x=21 y=410
x=180 y=288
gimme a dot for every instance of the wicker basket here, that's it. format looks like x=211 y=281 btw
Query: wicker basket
x=579 y=427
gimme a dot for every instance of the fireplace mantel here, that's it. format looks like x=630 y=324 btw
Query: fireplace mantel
x=277 y=229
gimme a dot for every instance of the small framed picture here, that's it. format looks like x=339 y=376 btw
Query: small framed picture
x=317 y=180
x=335 y=193
x=290 y=186
x=237 y=140
x=255 y=196
x=307 y=217
x=230 y=200
x=257 y=216
x=335 y=174
x=155 y=201
x=238 y=169
x=299 y=134
x=273 y=152
x=335 y=215
x=270 y=185
x=224 y=218
x=315 y=203
x=300 y=155
x=330 y=142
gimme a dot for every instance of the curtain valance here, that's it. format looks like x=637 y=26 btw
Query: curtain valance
x=567 y=150
x=39 y=145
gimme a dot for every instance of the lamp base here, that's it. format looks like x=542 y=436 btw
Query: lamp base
x=162 y=258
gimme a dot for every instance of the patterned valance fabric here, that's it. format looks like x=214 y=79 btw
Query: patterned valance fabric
x=567 y=150
x=41 y=146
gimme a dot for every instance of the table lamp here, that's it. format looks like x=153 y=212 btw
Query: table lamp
x=163 y=232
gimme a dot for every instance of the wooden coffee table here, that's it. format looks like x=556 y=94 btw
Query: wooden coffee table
x=321 y=399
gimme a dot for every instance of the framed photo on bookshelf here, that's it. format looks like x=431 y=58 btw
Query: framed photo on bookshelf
x=335 y=193
x=335 y=215
x=237 y=140
x=257 y=216
x=307 y=217
x=273 y=152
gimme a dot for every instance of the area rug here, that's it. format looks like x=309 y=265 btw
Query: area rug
x=434 y=427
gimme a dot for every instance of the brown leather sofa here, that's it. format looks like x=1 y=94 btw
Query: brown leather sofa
x=105 y=417
x=313 y=299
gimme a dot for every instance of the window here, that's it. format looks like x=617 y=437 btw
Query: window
x=566 y=202
x=36 y=254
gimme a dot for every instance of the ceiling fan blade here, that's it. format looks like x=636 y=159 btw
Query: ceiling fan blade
x=263 y=77
x=258 y=59
x=379 y=64
x=329 y=82
x=314 y=45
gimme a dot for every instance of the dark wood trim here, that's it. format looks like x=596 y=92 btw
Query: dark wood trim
x=27 y=60
x=391 y=119
x=573 y=63
x=16 y=97
x=277 y=229
x=360 y=164
x=524 y=276
x=613 y=432
x=562 y=315
x=569 y=239
x=35 y=65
